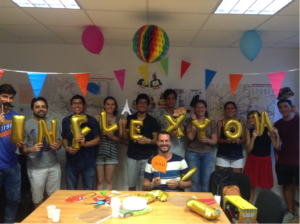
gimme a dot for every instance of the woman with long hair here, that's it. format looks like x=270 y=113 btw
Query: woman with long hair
x=230 y=154
x=258 y=165
x=200 y=153
x=107 y=152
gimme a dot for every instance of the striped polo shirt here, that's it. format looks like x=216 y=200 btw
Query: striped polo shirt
x=176 y=166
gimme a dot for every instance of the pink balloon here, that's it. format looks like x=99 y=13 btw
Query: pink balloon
x=92 y=39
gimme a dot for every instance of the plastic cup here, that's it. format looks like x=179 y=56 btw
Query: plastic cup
x=55 y=215
x=49 y=210
x=115 y=207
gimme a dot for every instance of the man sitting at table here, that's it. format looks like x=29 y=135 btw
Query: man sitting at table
x=176 y=167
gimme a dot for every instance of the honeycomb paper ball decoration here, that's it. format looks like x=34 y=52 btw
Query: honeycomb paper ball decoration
x=150 y=43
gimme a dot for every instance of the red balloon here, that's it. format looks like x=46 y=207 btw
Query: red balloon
x=92 y=39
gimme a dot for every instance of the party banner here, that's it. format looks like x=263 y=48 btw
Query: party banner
x=120 y=75
x=184 y=67
x=144 y=72
x=209 y=75
x=234 y=81
x=37 y=81
x=165 y=64
x=82 y=80
x=276 y=81
x=1 y=72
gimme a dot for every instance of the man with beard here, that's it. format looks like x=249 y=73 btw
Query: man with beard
x=176 y=168
x=10 y=175
x=138 y=152
x=42 y=165
x=170 y=97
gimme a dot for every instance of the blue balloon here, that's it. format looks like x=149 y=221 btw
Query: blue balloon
x=250 y=44
x=93 y=88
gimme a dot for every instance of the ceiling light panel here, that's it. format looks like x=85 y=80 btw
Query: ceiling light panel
x=23 y=3
x=39 y=3
x=262 y=7
x=258 y=6
x=69 y=4
x=241 y=6
x=275 y=6
x=55 y=4
x=226 y=6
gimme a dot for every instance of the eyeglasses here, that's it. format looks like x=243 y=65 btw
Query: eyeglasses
x=77 y=103
x=143 y=103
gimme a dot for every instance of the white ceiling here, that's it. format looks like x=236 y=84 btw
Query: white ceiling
x=187 y=23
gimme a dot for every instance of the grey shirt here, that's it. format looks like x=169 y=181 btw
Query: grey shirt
x=46 y=157
x=196 y=145
x=178 y=146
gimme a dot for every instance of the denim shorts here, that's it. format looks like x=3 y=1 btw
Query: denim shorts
x=104 y=159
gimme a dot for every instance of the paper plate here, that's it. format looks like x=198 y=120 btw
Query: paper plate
x=134 y=203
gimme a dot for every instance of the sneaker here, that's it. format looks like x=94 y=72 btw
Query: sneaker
x=289 y=217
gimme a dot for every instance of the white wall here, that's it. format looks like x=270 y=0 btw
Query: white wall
x=74 y=58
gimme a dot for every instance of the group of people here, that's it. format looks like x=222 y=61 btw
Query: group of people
x=98 y=155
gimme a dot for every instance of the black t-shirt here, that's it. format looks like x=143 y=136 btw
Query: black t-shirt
x=262 y=144
x=85 y=157
x=135 y=150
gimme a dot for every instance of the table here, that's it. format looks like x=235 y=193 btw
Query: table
x=162 y=212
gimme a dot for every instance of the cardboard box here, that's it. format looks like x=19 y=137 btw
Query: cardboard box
x=239 y=210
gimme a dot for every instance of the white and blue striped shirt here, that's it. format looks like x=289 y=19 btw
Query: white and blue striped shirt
x=176 y=166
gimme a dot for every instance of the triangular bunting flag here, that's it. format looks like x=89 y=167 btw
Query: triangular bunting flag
x=165 y=64
x=83 y=80
x=209 y=75
x=234 y=81
x=120 y=75
x=1 y=72
x=37 y=81
x=144 y=72
x=184 y=66
x=276 y=81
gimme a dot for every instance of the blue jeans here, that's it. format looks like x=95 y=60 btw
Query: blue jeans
x=72 y=178
x=204 y=163
x=10 y=179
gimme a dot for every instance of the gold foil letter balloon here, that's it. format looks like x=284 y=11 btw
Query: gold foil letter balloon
x=103 y=124
x=201 y=127
x=43 y=131
x=190 y=173
x=260 y=126
x=134 y=131
x=17 y=129
x=202 y=209
x=238 y=129
x=76 y=121
x=175 y=124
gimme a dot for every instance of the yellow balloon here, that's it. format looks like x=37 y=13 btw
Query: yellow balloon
x=202 y=209
x=43 y=131
x=148 y=197
x=104 y=124
x=175 y=124
x=161 y=195
x=17 y=129
x=134 y=131
x=201 y=127
x=190 y=173
x=238 y=129
x=256 y=121
x=260 y=126
x=76 y=121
